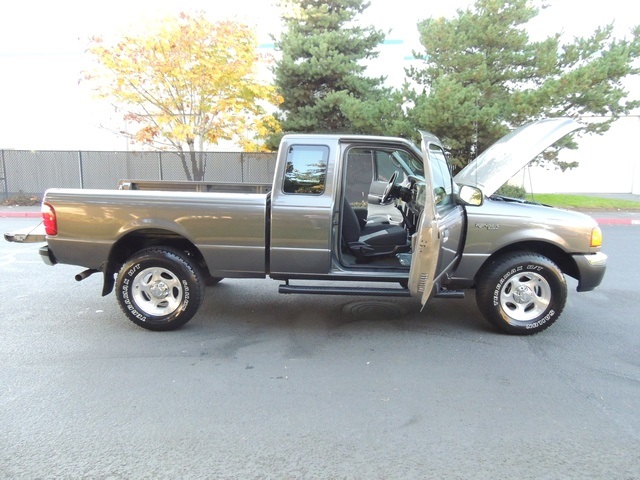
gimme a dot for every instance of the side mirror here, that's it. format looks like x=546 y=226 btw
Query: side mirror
x=471 y=196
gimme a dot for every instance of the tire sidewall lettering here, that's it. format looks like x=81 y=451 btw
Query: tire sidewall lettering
x=132 y=271
x=542 y=321
x=186 y=294
x=126 y=299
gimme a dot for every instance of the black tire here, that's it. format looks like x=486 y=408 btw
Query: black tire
x=521 y=293
x=159 y=289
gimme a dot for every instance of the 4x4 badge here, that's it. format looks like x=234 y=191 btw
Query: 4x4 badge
x=488 y=226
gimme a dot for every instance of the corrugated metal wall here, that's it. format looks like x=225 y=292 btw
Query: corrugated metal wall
x=32 y=172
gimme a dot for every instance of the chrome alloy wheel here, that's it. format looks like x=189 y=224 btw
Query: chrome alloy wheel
x=157 y=291
x=525 y=296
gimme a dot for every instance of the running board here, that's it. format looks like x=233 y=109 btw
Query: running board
x=445 y=293
x=354 y=291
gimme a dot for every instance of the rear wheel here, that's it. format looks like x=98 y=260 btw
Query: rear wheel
x=521 y=293
x=159 y=288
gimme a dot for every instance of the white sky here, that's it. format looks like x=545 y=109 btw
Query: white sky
x=43 y=106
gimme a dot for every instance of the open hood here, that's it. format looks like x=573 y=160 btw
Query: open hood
x=502 y=160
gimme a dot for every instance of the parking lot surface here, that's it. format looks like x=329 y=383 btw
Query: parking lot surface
x=262 y=385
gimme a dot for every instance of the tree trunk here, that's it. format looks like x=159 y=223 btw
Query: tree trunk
x=196 y=167
x=185 y=166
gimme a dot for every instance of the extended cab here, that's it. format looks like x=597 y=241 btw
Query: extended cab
x=343 y=209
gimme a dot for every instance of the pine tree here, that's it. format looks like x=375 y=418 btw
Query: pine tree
x=483 y=76
x=321 y=75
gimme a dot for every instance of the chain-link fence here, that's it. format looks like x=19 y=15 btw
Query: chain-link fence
x=26 y=172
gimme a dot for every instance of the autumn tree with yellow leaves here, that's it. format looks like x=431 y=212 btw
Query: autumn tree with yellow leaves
x=186 y=84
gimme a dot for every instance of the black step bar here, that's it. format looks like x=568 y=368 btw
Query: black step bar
x=353 y=291
x=362 y=291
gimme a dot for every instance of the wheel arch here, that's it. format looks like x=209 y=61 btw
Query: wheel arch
x=562 y=259
x=137 y=240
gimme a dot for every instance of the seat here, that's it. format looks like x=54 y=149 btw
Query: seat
x=372 y=239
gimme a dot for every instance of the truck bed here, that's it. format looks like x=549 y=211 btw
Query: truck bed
x=229 y=228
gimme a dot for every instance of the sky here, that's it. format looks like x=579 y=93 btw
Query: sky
x=45 y=106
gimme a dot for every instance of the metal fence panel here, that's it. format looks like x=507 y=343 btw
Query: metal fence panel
x=223 y=167
x=105 y=169
x=172 y=168
x=3 y=177
x=258 y=167
x=33 y=172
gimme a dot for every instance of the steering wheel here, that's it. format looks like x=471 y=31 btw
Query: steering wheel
x=386 y=195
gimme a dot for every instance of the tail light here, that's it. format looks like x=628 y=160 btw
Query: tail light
x=49 y=219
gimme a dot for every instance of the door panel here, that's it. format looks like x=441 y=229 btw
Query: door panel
x=451 y=226
x=437 y=243
x=427 y=239
x=426 y=250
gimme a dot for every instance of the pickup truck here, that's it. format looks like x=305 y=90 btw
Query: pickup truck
x=355 y=215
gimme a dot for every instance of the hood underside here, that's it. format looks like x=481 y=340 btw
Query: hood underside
x=502 y=160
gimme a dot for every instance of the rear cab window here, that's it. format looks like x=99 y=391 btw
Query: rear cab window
x=306 y=169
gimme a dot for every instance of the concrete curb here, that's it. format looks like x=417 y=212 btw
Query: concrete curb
x=617 y=221
x=20 y=214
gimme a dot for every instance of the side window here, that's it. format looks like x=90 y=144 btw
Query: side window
x=306 y=170
x=442 y=181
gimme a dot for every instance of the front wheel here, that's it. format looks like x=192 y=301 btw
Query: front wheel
x=159 y=288
x=521 y=293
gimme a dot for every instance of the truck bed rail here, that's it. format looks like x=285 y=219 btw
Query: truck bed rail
x=184 y=186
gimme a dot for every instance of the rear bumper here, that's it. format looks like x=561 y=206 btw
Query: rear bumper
x=47 y=255
x=591 y=270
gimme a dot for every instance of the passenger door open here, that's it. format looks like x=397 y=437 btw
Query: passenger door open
x=436 y=243
x=426 y=241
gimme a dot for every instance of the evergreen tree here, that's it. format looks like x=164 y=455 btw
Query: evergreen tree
x=483 y=76
x=321 y=75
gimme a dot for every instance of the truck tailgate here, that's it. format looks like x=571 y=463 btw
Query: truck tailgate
x=27 y=235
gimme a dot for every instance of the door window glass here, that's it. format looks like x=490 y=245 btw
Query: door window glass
x=442 y=181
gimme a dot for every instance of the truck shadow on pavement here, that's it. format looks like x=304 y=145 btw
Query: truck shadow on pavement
x=247 y=309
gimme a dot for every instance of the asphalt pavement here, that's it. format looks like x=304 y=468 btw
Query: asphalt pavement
x=267 y=386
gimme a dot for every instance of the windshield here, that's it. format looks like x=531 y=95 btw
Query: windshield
x=409 y=163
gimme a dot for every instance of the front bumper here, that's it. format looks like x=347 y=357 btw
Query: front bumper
x=591 y=270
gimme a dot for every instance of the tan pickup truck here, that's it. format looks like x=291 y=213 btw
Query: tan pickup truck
x=351 y=210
